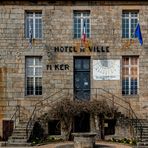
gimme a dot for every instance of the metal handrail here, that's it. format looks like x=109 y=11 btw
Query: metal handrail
x=13 y=118
x=112 y=97
x=32 y=117
x=15 y=115
x=131 y=111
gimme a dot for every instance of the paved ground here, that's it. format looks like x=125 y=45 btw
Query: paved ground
x=101 y=145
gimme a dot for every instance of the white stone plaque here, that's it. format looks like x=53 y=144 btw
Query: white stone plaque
x=106 y=69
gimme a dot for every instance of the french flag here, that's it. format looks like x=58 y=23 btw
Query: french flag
x=84 y=33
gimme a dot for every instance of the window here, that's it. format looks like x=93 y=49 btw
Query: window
x=33 y=22
x=33 y=76
x=129 y=22
x=81 y=18
x=130 y=74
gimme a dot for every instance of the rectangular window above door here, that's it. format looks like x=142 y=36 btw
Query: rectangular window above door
x=81 y=19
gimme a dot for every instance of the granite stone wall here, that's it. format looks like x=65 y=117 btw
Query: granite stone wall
x=57 y=19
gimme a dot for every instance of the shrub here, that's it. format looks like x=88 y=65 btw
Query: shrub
x=131 y=141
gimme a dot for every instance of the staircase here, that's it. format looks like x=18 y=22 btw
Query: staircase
x=126 y=112
x=18 y=137
x=22 y=130
x=24 y=125
x=144 y=142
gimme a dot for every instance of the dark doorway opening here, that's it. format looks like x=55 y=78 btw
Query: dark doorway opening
x=7 y=129
x=54 y=127
x=110 y=126
x=82 y=122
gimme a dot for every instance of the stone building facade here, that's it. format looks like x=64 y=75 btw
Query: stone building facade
x=43 y=49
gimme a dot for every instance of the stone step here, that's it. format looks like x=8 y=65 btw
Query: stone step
x=17 y=140
x=146 y=127
x=143 y=134
x=21 y=126
x=19 y=131
x=17 y=144
x=139 y=123
x=143 y=144
x=143 y=131
x=18 y=137
x=141 y=147
x=144 y=138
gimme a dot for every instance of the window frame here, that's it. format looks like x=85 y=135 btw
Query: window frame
x=33 y=18
x=129 y=76
x=82 y=17
x=34 y=76
x=130 y=17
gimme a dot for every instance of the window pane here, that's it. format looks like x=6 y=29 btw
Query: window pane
x=125 y=86
x=34 y=20
x=38 y=14
x=134 y=14
x=77 y=64
x=77 y=14
x=38 y=28
x=29 y=86
x=130 y=76
x=38 y=71
x=29 y=24
x=33 y=76
x=125 y=27
x=79 y=19
x=29 y=61
x=38 y=61
x=38 y=86
x=133 y=27
x=134 y=61
x=125 y=61
x=125 y=71
x=87 y=28
x=30 y=71
x=134 y=71
x=133 y=86
x=129 y=22
x=86 y=64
